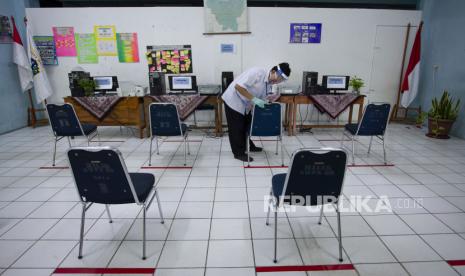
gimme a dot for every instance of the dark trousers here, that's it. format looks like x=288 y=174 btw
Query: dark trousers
x=238 y=126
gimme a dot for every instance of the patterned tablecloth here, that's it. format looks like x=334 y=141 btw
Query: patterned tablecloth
x=333 y=104
x=186 y=103
x=98 y=106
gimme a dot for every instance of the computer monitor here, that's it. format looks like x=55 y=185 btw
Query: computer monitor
x=105 y=83
x=182 y=83
x=333 y=82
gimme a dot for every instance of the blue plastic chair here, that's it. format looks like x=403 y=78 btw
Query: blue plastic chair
x=101 y=176
x=266 y=122
x=374 y=123
x=164 y=121
x=65 y=123
x=315 y=177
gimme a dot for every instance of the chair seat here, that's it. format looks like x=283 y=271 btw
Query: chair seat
x=277 y=183
x=352 y=128
x=88 y=128
x=143 y=184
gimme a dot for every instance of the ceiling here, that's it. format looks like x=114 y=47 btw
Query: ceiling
x=368 y=4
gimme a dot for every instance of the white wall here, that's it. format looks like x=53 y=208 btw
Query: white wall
x=347 y=44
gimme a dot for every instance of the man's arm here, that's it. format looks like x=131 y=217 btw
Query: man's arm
x=244 y=92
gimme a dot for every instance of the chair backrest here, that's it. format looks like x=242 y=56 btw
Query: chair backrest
x=266 y=121
x=63 y=120
x=374 y=119
x=100 y=175
x=164 y=119
x=316 y=175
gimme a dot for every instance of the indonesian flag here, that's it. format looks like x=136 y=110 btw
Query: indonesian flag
x=412 y=75
x=20 y=58
x=41 y=84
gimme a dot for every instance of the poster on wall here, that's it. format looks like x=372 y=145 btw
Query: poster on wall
x=105 y=37
x=225 y=16
x=86 y=48
x=173 y=59
x=64 y=41
x=128 y=48
x=46 y=47
x=5 y=30
x=305 y=33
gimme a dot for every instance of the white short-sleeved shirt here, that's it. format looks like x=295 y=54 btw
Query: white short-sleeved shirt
x=255 y=80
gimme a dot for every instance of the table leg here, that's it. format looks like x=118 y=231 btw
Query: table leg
x=360 y=110
x=351 y=109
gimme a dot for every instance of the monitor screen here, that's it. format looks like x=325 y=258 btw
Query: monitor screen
x=336 y=82
x=182 y=83
x=103 y=83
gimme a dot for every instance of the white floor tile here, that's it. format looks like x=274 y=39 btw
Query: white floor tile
x=366 y=250
x=429 y=269
x=449 y=246
x=68 y=229
x=198 y=194
x=351 y=226
x=190 y=229
x=179 y=272
x=230 y=210
x=18 y=209
x=94 y=254
x=227 y=229
x=319 y=251
x=230 y=253
x=27 y=272
x=155 y=230
x=287 y=254
x=410 y=248
x=426 y=224
x=12 y=250
x=52 y=210
x=388 y=225
x=231 y=194
x=45 y=254
x=179 y=254
x=29 y=229
x=194 y=210
x=393 y=269
x=129 y=254
x=308 y=227
x=230 y=271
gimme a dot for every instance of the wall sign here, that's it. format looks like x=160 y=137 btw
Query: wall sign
x=305 y=33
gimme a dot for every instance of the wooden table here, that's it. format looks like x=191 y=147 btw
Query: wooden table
x=289 y=112
x=214 y=100
x=127 y=112
x=302 y=99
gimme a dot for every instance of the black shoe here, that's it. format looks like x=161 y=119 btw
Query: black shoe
x=243 y=158
x=256 y=149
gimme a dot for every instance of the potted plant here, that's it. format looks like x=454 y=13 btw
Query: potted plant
x=356 y=83
x=421 y=119
x=88 y=86
x=442 y=115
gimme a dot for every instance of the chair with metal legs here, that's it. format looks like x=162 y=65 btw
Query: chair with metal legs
x=101 y=177
x=266 y=122
x=164 y=121
x=315 y=178
x=374 y=123
x=65 y=123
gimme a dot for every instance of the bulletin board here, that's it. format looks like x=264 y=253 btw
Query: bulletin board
x=170 y=59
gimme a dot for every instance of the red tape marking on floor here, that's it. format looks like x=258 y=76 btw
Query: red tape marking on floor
x=264 y=167
x=304 y=268
x=51 y=168
x=78 y=270
x=456 y=262
x=158 y=168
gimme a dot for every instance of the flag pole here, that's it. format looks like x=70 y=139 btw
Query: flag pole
x=32 y=118
x=399 y=91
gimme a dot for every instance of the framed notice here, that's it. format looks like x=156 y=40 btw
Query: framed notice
x=86 y=48
x=5 y=30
